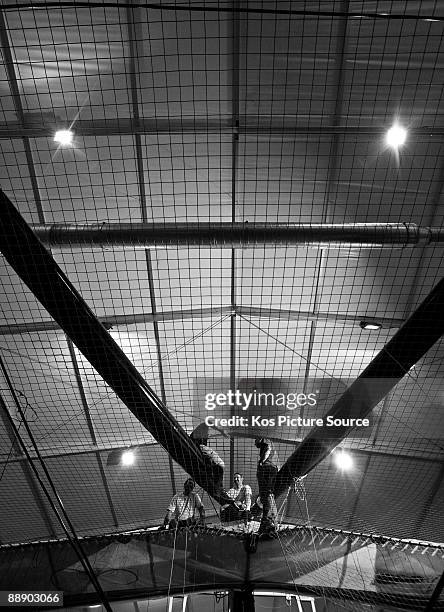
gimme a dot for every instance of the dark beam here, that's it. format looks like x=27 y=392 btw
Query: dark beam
x=408 y=345
x=37 y=268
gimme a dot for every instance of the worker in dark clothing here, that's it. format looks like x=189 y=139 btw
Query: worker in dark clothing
x=214 y=462
x=267 y=469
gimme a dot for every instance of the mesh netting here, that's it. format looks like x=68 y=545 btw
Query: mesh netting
x=236 y=113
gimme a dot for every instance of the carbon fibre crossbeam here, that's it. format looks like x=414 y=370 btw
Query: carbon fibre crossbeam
x=38 y=270
x=418 y=334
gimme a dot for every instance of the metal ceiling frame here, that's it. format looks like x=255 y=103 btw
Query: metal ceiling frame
x=338 y=79
x=45 y=125
x=237 y=9
x=201 y=313
x=234 y=24
x=134 y=42
x=365 y=452
x=91 y=428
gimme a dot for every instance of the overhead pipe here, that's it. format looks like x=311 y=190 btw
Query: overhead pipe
x=236 y=235
x=37 y=268
x=418 y=334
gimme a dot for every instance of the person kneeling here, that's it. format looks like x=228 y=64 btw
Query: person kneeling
x=241 y=496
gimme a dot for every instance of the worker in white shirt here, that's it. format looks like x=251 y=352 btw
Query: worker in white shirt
x=241 y=495
x=182 y=509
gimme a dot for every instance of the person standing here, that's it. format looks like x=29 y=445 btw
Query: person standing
x=182 y=509
x=267 y=469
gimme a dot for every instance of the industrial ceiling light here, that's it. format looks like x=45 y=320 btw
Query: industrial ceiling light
x=396 y=136
x=370 y=325
x=122 y=456
x=343 y=460
x=128 y=457
x=64 y=137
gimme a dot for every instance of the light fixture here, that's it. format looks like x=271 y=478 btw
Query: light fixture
x=370 y=325
x=343 y=460
x=122 y=456
x=128 y=457
x=64 y=137
x=396 y=136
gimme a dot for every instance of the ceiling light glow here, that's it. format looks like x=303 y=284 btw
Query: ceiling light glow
x=128 y=458
x=396 y=136
x=64 y=137
x=370 y=325
x=343 y=460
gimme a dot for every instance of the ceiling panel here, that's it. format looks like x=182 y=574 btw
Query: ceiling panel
x=191 y=278
x=94 y=181
x=71 y=64
x=195 y=358
x=112 y=281
x=275 y=277
x=25 y=518
x=282 y=178
x=42 y=375
x=185 y=65
x=15 y=178
x=187 y=177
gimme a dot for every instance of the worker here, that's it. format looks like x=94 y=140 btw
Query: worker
x=241 y=496
x=182 y=509
x=267 y=469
